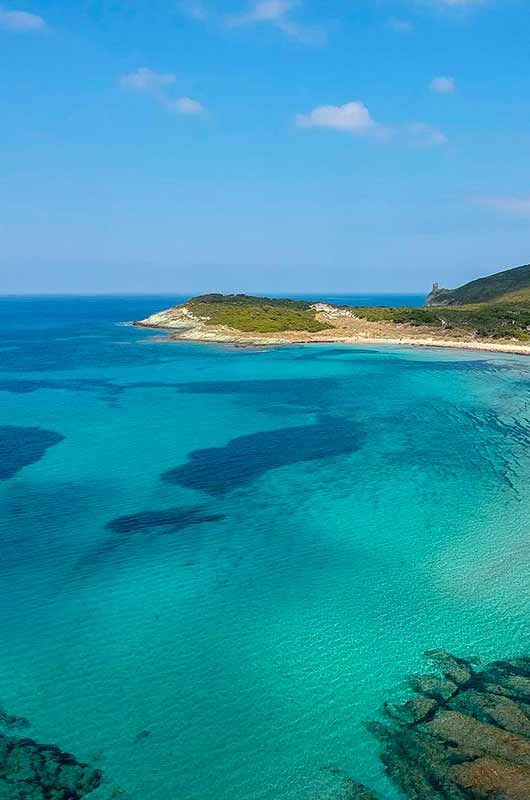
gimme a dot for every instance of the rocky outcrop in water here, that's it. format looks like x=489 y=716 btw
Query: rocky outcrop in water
x=465 y=735
x=32 y=771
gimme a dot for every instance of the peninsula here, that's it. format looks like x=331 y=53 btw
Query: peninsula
x=492 y=313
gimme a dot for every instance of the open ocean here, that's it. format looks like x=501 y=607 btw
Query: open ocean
x=216 y=563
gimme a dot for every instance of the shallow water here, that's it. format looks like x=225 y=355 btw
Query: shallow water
x=217 y=563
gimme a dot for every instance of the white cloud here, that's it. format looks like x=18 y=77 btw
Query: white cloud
x=156 y=84
x=185 y=105
x=277 y=13
x=443 y=85
x=147 y=80
x=352 y=117
x=20 y=21
x=507 y=204
x=355 y=118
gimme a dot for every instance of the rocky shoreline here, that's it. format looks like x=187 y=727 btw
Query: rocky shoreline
x=465 y=735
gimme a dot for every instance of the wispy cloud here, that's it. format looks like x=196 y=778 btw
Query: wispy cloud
x=514 y=205
x=185 y=105
x=355 y=118
x=147 y=80
x=399 y=25
x=425 y=134
x=442 y=85
x=195 y=9
x=156 y=85
x=461 y=4
x=274 y=11
x=20 y=21
x=279 y=14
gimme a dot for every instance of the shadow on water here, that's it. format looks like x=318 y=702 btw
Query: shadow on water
x=170 y=520
x=283 y=387
x=138 y=529
x=217 y=470
x=20 y=447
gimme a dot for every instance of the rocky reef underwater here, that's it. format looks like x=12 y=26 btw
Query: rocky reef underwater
x=464 y=735
x=33 y=771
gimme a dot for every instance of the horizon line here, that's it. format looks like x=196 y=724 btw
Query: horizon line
x=334 y=293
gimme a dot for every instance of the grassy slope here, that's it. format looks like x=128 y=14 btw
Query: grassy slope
x=507 y=286
x=255 y=314
x=495 y=307
x=506 y=320
x=486 y=320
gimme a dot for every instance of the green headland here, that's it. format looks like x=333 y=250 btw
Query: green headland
x=491 y=310
x=508 y=286
x=255 y=314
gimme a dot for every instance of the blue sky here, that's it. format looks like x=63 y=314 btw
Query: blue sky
x=262 y=145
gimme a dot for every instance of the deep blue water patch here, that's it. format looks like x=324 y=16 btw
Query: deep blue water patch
x=28 y=386
x=171 y=519
x=217 y=470
x=314 y=394
x=57 y=354
x=66 y=334
x=291 y=388
x=20 y=447
x=136 y=530
x=309 y=393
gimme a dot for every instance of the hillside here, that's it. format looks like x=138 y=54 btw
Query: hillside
x=255 y=314
x=245 y=320
x=508 y=286
x=488 y=321
x=240 y=312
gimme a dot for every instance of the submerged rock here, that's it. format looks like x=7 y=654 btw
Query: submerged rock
x=11 y=722
x=357 y=791
x=32 y=771
x=472 y=738
x=491 y=777
x=432 y=686
x=457 y=670
x=494 y=709
x=141 y=736
x=508 y=678
x=464 y=736
x=415 y=710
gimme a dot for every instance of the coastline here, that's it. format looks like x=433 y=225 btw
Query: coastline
x=483 y=346
x=219 y=335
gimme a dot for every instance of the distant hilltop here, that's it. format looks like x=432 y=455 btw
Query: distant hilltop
x=210 y=314
x=508 y=286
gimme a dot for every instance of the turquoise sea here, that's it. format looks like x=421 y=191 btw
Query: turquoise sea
x=216 y=563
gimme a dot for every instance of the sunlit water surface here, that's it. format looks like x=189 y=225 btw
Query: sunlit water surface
x=217 y=563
